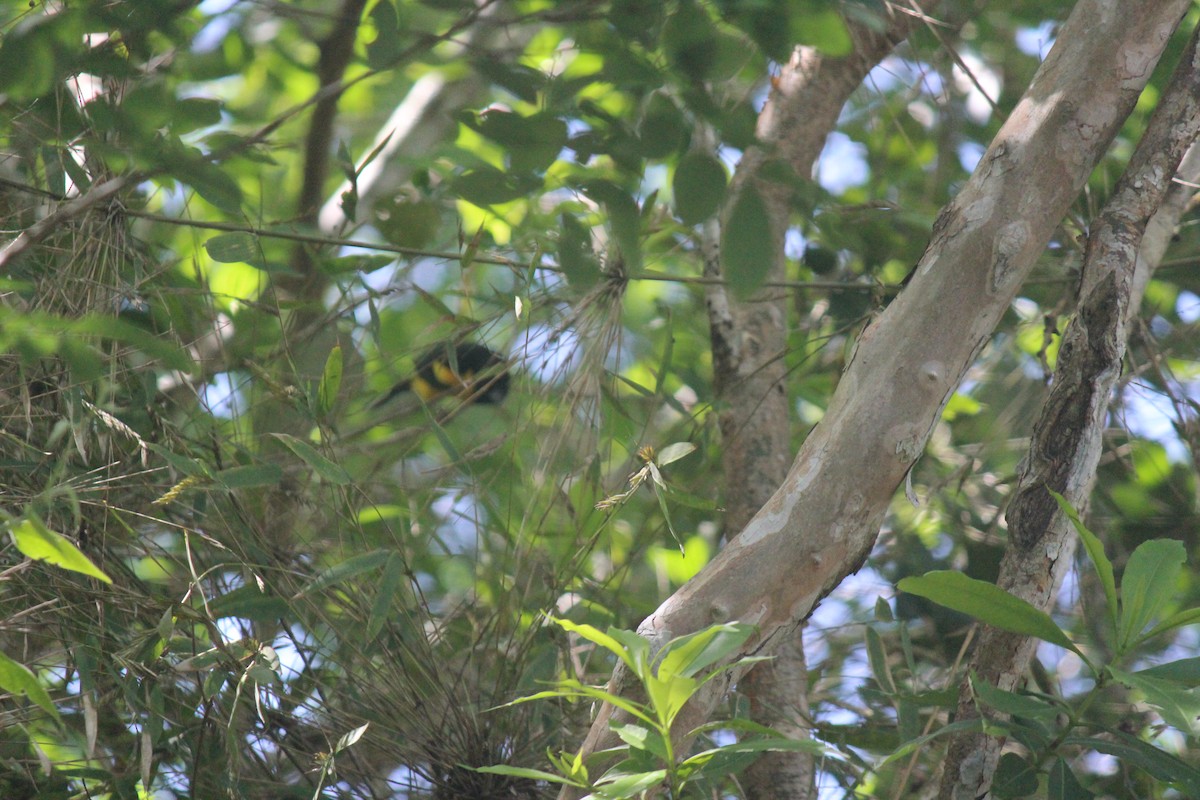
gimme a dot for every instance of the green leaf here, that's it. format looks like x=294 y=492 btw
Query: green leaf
x=331 y=382
x=641 y=738
x=1017 y=705
x=623 y=219
x=523 y=772
x=1188 y=616
x=877 y=658
x=698 y=187
x=689 y=40
x=1180 y=706
x=987 y=603
x=395 y=573
x=674 y=452
x=38 y=542
x=1095 y=551
x=605 y=640
x=533 y=142
x=405 y=222
x=688 y=655
x=17 y=679
x=486 y=186
x=342 y=571
x=386 y=48
x=662 y=131
x=1148 y=583
x=209 y=180
x=1134 y=752
x=619 y=786
x=249 y=476
x=575 y=255
x=326 y=469
x=1063 y=785
x=233 y=248
x=1015 y=777
x=732 y=758
x=1185 y=670
x=746 y=243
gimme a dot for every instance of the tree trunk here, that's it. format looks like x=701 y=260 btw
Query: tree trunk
x=820 y=525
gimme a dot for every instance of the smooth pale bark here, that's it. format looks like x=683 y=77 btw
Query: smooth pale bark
x=820 y=525
x=1066 y=444
x=749 y=341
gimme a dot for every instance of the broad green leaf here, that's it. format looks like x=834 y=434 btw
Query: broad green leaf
x=691 y=654
x=1063 y=785
x=386 y=48
x=344 y=570
x=1095 y=551
x=331 y=382
x=38 y=542
x=209 y=180
x=596 y=636
x=575 y=254
x=746 y=243
x=731 y=758
x=640 y=737
x=987 y=603
x=1017 y=705
x=662 y=130
x=1015 y=777
x=1185 y=671
x=232 y=248
x=669 y=695
x=486 y=186
x=689 y=39
x=533 y=142
x=1134 y=752
x=698 y=187
x=1178 y=620
x=1179 y=705
x=17 y=679
x=406 y=222
x=326 y=469
x=620 y=786
x=1148 y=583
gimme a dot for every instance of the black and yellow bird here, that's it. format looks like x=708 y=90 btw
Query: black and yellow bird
x=470 y=371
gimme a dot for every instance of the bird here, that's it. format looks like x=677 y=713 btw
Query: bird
x=470 y=371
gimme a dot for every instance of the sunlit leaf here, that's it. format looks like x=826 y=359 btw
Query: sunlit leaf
x=38 y=542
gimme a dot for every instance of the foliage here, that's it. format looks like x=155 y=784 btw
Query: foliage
x=227 y=574
x=1052 y=728
x=647 y=759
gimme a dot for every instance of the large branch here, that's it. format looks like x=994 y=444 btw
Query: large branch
x=820 y=525
x=749 y=340
x=1066 y=444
